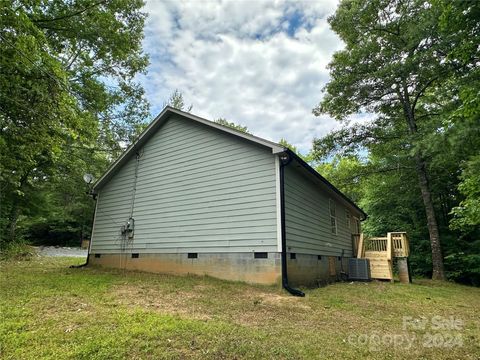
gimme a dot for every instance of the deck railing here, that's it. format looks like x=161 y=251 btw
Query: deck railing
x=396 y=241
x=380 y=252
x=376 y=244
x=400 y=244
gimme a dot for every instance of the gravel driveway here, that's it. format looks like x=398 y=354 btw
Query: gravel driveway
x=61 y=251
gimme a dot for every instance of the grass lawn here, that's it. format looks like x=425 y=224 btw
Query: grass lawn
x=51 y=311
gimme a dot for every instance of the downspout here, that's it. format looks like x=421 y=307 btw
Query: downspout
x=94 y=196
x=285 y=159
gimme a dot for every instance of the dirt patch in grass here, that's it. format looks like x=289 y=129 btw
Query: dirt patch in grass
x=57 y=307
x=178 y=303
x=250 y=307
x=283 y=301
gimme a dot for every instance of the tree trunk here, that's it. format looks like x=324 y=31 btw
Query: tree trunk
x=437 y=258
x=421 y=168
x=15 y=211
x=13 y=221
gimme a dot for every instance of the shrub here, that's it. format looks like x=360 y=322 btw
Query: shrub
x=17 y=251
x=53 y=232
x=463 y=268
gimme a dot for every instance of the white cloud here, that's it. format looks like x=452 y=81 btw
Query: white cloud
x=257 y=63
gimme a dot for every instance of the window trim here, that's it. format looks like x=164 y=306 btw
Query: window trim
x=333 y=216
x=357 y=225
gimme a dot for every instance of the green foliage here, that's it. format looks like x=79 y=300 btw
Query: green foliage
x=283 y=142
x=232 y=125
x=464 y=268
x=345 y=173
x=463 y=134
x=397 y=51
x=176 y=101
x=467 y=214
x=68 y=102
x=413 y=66
x=308 y=158
x=18 y=251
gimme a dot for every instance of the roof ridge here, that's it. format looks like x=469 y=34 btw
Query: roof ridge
x=163 y=116
x=213 y=122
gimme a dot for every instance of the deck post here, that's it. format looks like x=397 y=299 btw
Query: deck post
x=403 y=270
x=390 y=256
x=360 y=250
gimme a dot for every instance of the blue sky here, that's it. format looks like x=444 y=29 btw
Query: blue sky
x=258 y=63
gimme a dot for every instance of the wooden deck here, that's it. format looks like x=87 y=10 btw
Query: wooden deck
x=381 y=252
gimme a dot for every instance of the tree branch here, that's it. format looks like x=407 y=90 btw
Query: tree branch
x=72 y=59
x=67 y=16
x=374 y=172
x=421 y=91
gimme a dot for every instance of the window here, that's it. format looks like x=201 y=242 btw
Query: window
x=333 y=216
x=356 y=226
x=319 y=257
x=293 y=256
x=347 y=216
x=260 y=255
x=192 y=255
x=135 y=255
x=98 y=255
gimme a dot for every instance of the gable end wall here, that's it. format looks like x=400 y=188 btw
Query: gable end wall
x=198 y=190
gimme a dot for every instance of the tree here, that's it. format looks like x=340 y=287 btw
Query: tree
x=463 y=133
x=176 y=101
x=308 y=158
x=67 y=87
x=467 y=214
x=466 y=261
x=286 y=144
x=232 y=125
x=346 y=173
x=397 y=56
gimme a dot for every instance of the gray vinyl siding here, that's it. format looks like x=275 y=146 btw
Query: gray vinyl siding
x=307 y=217
x=198 y=190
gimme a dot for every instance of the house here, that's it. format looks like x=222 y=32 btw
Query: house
x=193 y=196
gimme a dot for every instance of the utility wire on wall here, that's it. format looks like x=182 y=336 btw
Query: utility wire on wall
x=128 y=230
x=134 y=191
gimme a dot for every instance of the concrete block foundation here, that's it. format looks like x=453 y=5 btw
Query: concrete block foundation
x=228 y=266
x=303 y=270
x=315 y=270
